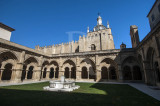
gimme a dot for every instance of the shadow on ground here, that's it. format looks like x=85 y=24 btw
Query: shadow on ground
x=88 y=94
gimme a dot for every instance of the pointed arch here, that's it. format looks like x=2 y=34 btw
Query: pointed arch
x=91 y=68
x=4 y=55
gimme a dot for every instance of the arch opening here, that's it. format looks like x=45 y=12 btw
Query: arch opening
x=66 y=73
x=127 y=75
x=7 y=73
x=84 y=74
x=51 y=75
x=104 y=73
x=30 y=72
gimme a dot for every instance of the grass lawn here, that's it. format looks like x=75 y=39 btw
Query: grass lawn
x=87 y=94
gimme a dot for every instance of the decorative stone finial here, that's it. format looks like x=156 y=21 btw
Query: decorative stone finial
x=108 y=24
x=88 y=29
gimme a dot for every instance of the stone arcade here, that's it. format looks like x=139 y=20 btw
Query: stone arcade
x=91 y=58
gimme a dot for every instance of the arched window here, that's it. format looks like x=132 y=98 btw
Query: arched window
x=104 y=73
x=93 y=47
x=30 y=72
x=84 y=73
x=7 y=72
x=66 y=73
x=51 y=75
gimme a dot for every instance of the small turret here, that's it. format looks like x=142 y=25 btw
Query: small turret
x=122 y=46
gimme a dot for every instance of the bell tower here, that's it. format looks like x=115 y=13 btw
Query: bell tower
x=134 y=35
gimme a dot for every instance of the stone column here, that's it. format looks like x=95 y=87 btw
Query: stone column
x=144 y=63
x=54 y=72
x=17 y=73
x=78 y=73
x=98 y=73
x=26 y=74
x=70 y=74
x=47 y=73
x=119 y=73
x=13 y=75
x=88 y=73
x=61 y=72
x=1 y=74
x=146 y=70
x=78 y=69
x=37 y=74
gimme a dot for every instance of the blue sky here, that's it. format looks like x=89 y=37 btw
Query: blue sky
x=46 y=22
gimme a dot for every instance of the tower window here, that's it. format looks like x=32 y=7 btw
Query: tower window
x=153 y=18
x=93 y=47
x=159 y=7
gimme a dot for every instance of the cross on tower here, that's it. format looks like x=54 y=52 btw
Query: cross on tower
x=98 y=14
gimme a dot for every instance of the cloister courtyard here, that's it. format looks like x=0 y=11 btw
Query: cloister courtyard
x=98 y=94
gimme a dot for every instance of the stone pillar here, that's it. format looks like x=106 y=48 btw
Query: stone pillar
x=47 y=73
x=145 y=64
x=108 y=73
x=26 y=74
x=119 y=73
x=70 y=73
x=146 y=70
x=61 y=72
x=37 y=73
x=1 y=74
x=98 y=73
x=88 y=73
x=54 y=72
x=78 y=69
x=78 y=73
x=17 y=73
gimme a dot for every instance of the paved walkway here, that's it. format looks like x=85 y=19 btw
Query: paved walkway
x=149 y=90
x=21 y=83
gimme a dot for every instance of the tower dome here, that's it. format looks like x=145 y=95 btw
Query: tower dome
x=99 y=26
